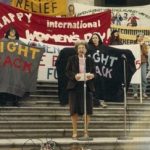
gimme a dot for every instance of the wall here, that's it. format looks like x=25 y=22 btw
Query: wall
x=121 y=2
x=137 y=2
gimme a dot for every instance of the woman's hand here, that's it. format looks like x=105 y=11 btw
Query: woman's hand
x=77 y=77
x=90 y=76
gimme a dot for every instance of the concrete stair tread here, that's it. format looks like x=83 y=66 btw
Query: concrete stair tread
x=67 y=114
x=54 y=95
x=70 y=141
x=43 y=96
x=46 y=90
x=51 y=107
x=47 y=85
x=67 y=108
x=55 y=101
x=69 y=122
x=43 y=116
x=98 y=143
x=56 y=108
x=67 y=130
x=64 y=114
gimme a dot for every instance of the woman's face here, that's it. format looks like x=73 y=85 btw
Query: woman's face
x=95 y=40
x=116 y=34
x=12 y=33
x=140 y=38
x=81 y=50
x=71 y=8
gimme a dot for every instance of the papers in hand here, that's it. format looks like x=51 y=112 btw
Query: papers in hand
x=83 y=75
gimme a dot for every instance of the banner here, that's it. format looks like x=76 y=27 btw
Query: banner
x=48 y=32
x=127 y=20
x=19 y=65
x=109 y=69
x=135 y=49
x=44 y=7
x=142 y=13
x=47 y=68
x=58 y=31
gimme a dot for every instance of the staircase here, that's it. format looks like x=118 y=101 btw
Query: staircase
x=41 y=118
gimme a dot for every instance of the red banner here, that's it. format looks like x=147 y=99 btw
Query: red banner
x=52 y=30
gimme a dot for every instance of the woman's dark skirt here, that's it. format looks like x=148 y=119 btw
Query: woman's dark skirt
x=76 y=100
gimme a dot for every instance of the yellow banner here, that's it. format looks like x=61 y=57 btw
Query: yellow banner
x=44 y=7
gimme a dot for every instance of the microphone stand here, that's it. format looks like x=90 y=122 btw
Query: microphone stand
x=125 y=99
x=85 y=138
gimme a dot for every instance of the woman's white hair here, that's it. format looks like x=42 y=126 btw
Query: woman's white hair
x=80 y=42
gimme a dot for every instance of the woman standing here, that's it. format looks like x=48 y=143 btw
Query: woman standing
x=115 y=38
x=12 y=34
x=77 y=65
x=8 y=98
x=71 y=11
x=144 y=60
x=93 y=47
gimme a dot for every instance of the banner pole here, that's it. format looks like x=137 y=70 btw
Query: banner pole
x=85 y=138
x=125 y=99
x=141 y=99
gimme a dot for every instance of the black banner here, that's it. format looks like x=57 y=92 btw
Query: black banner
x=109 y=68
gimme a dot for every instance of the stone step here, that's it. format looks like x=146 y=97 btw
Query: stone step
x=47 y=82
x=43 y=96
x=48 y=88
x=48 y=95
x=58 y=110
x=39 y=95
x=48 y=102
x=5 y=124
x=45 y=92
x=60 y=133
x=64 y=117
x=131 y=109
x=45 y=118
x=51 y=86
x=55 y=85
x=135 y=143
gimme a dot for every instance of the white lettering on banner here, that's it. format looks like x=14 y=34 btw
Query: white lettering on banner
x=21 y=15
x=87 y=36
x=5 y=20
x=41 y=37
x=103 y=71
x=106 y=60
x=73 y=25
x=9 y=18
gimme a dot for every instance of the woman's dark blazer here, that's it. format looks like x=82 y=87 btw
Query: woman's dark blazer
x=73 y=68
